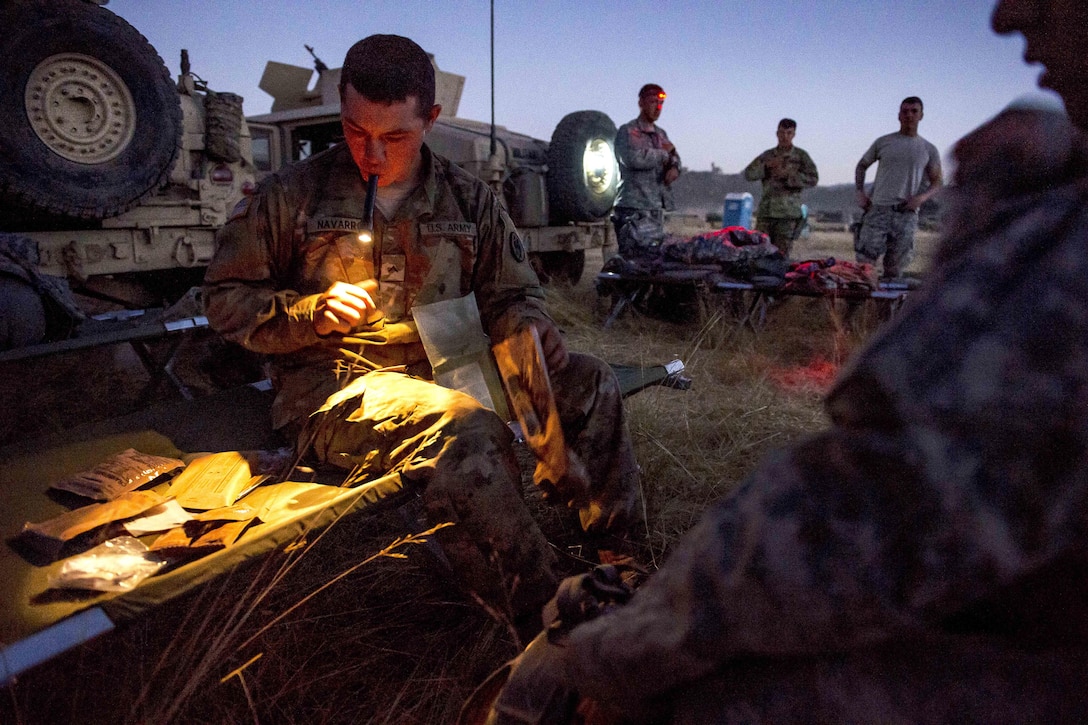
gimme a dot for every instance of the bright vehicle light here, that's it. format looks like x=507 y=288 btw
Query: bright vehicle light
x=599 y=165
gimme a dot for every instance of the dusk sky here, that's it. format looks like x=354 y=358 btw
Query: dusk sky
x=731 y=70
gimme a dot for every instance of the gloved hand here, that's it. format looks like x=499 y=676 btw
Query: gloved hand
x=531 y=688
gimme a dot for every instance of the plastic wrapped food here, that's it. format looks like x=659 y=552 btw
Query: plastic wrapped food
x=117 y=565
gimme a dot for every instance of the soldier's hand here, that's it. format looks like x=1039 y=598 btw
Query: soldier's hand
x=863 y=200
x=912 y=204
x=343 y=307
x=609 y=512
x=534 y=687
x=778 y=168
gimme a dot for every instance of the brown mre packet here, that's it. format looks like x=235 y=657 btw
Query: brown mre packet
x=48 y=537
x=197 y=538
x=118 y=474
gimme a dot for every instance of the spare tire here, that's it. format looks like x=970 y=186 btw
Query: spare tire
x=223 y=126
x=582 y=171
x=90 y=116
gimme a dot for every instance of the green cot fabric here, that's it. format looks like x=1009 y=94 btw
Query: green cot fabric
x=236 y=420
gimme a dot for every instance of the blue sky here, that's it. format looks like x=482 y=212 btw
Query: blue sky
x=731 y=69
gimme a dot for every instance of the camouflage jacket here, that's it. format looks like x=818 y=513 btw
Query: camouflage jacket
x=643 y=162
x=288 y=243
x=949 y=493
x=784 y=173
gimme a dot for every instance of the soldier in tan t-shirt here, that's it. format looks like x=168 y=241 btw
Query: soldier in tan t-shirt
x=908 y=175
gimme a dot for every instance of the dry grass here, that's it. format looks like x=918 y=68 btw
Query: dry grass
x=837 y=244
x=389 y=642
x=392 y=642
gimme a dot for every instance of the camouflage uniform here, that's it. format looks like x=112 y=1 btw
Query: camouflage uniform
x=643 y=197
x=925 y=559
x=295 y=238
x=888 y=231
x=779 y=213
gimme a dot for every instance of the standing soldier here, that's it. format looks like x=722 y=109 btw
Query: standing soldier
x=907 y=164
x=648 y=166
x=784 y=170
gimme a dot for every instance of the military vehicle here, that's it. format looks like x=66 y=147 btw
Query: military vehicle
x=558 y=193
x=114 y=177
x=117 y=174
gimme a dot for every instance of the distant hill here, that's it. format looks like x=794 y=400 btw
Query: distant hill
x=703 y=192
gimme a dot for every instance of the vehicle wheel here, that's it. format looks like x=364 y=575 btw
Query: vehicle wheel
x=560 y=267
x=582 y=171
x=92 y=122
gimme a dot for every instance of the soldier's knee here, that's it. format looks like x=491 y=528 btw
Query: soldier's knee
x=467 y=417
x=582 y=364
x=870 y=247
x=585 y=377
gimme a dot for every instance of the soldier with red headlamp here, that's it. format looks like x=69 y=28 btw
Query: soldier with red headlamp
x=649 y=165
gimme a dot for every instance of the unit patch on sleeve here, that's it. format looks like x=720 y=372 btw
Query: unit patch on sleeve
x=517 y=247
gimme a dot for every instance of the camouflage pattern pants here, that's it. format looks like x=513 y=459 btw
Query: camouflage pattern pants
x=458 y=455
x=783 y=232
x=887 y=232
x=638 y=229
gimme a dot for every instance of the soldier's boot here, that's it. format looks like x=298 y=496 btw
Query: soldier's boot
x=627 y=552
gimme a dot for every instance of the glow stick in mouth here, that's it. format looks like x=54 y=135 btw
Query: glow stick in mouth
x=366 y=231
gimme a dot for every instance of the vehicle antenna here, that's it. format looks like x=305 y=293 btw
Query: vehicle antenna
x=319 y=65
x=492 y=78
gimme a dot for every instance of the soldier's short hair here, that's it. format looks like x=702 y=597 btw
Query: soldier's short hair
x=650 y=89
x=787 y=123
x=389 y=69
x=912 y=100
